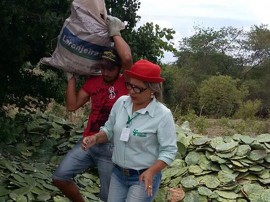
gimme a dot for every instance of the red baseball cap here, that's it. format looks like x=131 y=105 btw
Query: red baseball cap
x=145 y=71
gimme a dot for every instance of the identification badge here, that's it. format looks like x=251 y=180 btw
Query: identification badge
x=125 y=134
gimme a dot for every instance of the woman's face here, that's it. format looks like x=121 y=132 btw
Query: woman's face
x=139 y=93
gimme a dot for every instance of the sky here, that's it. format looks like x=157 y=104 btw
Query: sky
x=183 y=15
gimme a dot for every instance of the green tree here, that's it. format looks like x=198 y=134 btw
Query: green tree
x=257 y=70
x=180 y=90
x=258 y=45
x=27 y=30
x=229 y=52
x=220 y=96
x=151 y=41
x=126 y=10
x=248 y=109
x=209 y=52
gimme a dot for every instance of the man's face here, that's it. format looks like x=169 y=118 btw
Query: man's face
x=109 y=71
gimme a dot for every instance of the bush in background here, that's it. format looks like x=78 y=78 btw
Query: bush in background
x=248 y=109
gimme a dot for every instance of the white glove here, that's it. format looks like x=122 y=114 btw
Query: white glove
x=115 y=25
x=70 y=75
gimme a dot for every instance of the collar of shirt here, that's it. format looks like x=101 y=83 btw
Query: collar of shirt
x=150 y=107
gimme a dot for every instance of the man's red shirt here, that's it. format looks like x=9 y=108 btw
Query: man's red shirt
x=103 y=96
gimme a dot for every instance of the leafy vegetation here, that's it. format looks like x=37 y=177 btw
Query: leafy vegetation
x=219 y=95
x=220 y=74
x=225 y=53
x=228 y=168
x=207 y=56
x=30 y=30
x=29 y=157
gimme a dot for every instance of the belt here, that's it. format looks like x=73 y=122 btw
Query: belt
x=129 y=172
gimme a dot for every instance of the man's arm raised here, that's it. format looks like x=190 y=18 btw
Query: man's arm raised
x=123 y=51
x=115 y=25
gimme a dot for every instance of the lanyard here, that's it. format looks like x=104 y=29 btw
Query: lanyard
x=130 y=119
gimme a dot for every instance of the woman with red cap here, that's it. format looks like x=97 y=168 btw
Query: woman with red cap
x=143 y=133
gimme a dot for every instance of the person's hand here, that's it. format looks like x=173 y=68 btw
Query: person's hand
x=147 y=177
x=70 y=75
x=88 y=142
x=115 y=25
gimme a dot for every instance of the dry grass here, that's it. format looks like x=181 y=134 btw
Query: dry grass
x=221 y=127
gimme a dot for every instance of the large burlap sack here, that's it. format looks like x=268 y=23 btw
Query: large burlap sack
x=82 y=39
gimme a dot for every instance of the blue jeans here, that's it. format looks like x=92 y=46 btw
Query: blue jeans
x=130 y=189
x=77 y=161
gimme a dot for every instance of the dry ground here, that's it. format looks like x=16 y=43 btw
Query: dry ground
x=220 y=127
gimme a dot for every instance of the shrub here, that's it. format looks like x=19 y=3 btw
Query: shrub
x=248 y=109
